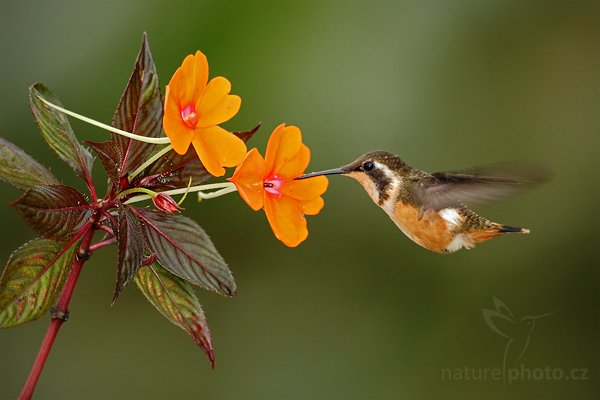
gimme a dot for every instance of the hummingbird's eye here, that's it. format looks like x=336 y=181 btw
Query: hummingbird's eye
x=368 y=165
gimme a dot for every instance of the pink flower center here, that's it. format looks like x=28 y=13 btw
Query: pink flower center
x=189 y=116
x=273 y=185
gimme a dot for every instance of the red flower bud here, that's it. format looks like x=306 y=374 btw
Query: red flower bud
x=123 y=182
x=165 y=203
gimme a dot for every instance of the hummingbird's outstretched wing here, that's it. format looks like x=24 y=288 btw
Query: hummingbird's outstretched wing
x=477 y=185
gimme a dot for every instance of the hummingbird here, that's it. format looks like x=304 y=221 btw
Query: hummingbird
x=432 y=208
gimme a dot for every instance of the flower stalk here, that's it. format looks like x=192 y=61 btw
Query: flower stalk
x=153 y=140
x=199 y=188
x=149 y=162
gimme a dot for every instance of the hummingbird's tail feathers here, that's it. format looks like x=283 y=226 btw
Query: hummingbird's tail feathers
x=491 y=231
x=512 y=229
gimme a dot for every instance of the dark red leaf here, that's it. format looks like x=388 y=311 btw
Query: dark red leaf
x=140 y=111
x=130 y=241
x=175 y=299
x=182 y=247
x=54 y=211
x=31 y=280
x=110 y=155
x=57 y=131
x=20 y=170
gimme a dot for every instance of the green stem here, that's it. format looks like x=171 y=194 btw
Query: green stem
x=199 y=188
x=180 y=202
x=160 y=140
x=150 y=194
x=149 y=162
x=217 y=193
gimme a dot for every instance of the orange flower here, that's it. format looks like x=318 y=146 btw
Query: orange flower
x=269 y=183
x=193 y=112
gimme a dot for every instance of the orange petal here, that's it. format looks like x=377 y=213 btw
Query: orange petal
x=305 y=189
x=296 y=165
x=189 y=81
x=248 y=178
x=286 y=220
x=218 y=148
x=216 y=90
x=179 y=133
x=284 y=144
x=313 y=207
x=223 y=111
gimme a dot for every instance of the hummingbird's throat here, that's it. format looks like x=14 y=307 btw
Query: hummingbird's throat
x=273 y=185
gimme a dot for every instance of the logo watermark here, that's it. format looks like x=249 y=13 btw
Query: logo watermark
x=514 y=374
x=517 y=334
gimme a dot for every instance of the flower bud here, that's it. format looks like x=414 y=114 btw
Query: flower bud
x=165 y=203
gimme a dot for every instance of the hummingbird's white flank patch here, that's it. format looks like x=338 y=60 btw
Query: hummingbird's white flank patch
x=458 y=243
x=451 y=216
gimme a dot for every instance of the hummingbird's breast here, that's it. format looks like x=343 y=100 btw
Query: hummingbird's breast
x=434 y=230
x=443 y=231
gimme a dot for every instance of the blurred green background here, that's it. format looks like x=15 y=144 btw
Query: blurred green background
x=357 y=311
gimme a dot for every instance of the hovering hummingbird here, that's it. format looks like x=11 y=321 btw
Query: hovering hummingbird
x=431 y=209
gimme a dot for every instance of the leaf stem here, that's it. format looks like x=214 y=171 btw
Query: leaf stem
x=102 y=243
x=199 y=188
x=60 y=314
x=149 y=162
x=90 y=184
x=106 y=229
x=160 y=140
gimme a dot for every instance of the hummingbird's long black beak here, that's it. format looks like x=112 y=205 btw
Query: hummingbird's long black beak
x=335 y=171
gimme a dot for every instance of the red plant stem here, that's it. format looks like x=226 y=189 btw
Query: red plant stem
x=102 y=244
x=59 y=315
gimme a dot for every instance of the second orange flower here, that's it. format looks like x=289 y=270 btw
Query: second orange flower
x=194 y=108
x=270 y=183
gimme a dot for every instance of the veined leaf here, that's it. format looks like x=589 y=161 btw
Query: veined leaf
x=57 y=131
x=110 y=155
x=54 y=211
x=20 y=304
x=175 y=300
x=140 y=111
x=20 y=169
x=174 y=170
x=130 y=240
x=182 y=247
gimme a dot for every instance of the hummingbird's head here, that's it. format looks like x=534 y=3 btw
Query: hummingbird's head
x=379 y=172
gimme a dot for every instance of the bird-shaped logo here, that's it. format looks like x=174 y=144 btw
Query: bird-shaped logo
x=517 y=332
x=431 y=209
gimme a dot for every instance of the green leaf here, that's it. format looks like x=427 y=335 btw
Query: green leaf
x=110 y=155
x=57 y=131
x=20 y=300
x=54 y=211
x=130 y=241
x=140 y=111
x=20 y=170
x=174 y=170
x=182 y=247
x=175 y=300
